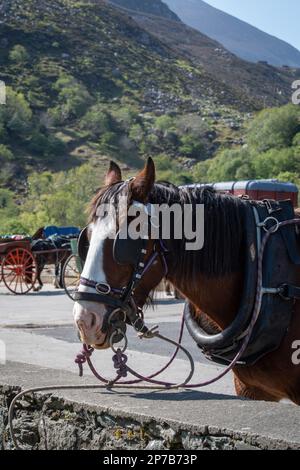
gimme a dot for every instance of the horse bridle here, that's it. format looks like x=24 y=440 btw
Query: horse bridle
x=122 y=306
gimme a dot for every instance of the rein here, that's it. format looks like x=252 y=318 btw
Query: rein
x=120 y=359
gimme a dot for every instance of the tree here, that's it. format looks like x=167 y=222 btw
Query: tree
x=8 y=212
x=5 y=154
x=228 y=162
x=16 y=116
x=269 y=164
x=274 y=128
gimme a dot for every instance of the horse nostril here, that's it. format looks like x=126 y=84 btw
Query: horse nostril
x=81 y=326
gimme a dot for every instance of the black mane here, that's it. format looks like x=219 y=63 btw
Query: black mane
x=223 y=231
x=223 y=228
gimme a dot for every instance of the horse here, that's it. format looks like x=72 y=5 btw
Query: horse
x=210 y=278
x=49 y=258
x=58 y=260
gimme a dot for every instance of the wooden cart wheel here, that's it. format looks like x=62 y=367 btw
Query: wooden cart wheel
x=71 y=275
x=19 y=271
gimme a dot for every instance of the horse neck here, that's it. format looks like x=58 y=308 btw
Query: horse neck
x=218 y=298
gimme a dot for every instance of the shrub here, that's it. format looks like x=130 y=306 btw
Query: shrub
x=74 y=98
x=192 y=146
x=164 y=123
x=19 y=54
x=96 y=121
x=5 y=154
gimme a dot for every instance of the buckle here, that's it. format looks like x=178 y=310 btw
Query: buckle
x=272 y=206
x=274 y=228
x=103 y=288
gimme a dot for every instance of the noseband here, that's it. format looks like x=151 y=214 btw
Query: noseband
x=122 y=306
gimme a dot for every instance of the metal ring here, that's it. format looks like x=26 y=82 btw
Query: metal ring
x=117 y=310
x=103 y=284
x=282 y=291
x=272 y=229
x=118 y=332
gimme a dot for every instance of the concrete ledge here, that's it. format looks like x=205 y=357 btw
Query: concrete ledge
x=135 y=419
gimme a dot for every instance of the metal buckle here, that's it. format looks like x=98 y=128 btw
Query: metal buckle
x=270 y=207
x=283 y=292
x=273 y=228
x=99 y=289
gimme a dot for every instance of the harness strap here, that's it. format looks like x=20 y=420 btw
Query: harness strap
x=289 y=292
x=100 y=298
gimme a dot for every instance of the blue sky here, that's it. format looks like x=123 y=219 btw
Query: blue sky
x=280 y=18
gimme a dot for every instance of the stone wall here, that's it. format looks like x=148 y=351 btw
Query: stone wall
x=45 y=421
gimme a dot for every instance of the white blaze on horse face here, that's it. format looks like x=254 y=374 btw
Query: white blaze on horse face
x=93 y=267
x=88 y=316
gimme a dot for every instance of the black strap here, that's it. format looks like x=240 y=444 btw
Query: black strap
x=100 y=298
x=290 y=292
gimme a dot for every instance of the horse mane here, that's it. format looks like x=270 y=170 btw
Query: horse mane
x=224 y=217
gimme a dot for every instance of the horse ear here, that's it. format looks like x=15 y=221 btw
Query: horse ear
x=114 y=174
x=142 y=184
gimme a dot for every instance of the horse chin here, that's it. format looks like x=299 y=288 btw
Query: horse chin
x=104 y=345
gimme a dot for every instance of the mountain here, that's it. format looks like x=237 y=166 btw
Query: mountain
x=87 y=83
x=237 y=36
x=268 y=85
x=153 y=7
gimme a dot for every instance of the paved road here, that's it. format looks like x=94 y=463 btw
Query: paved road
x=38 y=329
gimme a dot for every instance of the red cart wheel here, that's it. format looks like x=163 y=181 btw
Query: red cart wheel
x=19 y=271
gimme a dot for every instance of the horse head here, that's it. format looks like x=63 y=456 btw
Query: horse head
x=119 y=271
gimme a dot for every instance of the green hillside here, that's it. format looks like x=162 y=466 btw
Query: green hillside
x=85 y=82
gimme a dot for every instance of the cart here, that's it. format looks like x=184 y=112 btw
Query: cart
x=19 y=268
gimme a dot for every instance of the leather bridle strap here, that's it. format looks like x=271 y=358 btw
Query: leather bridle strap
x=99 y=298
x=122 y=299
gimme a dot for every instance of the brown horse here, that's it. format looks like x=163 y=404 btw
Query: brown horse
x=211 y=278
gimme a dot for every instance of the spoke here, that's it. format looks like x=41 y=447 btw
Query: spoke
x=28 y=261
x=21 y=285
x=74 y=283
x=29 y=271
x=73 y=269
x=10 y=268
x=14 y=277
x=23 y=257
x=16 y=284
x=10 y=257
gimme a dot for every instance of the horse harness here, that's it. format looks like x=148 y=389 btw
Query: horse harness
x=281 y=263
x=279 y=273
